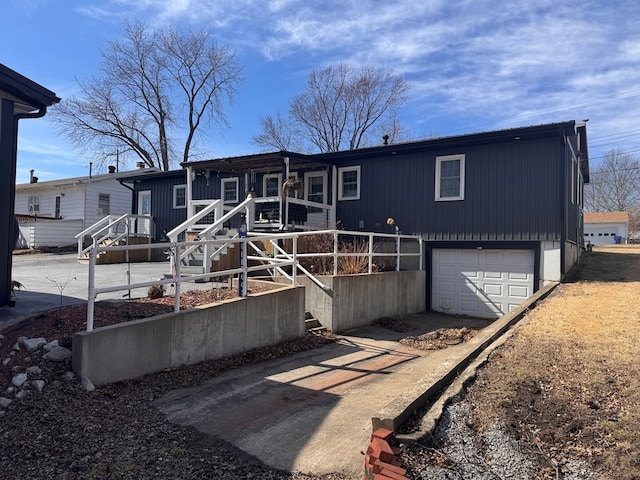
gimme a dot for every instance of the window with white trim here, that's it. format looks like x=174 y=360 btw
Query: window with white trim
x=230 y=190
x=271 y=185
x=179 y=196
x=104 y=204
x=450 y=177
x=34 y=204
x=349 y=183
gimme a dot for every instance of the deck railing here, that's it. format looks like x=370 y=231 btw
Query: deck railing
x=114 y=228
x=286 y=261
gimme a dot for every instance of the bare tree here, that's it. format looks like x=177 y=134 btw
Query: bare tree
x=155 y=91
x=277 y=133
x=615 y=186
x=344 y=107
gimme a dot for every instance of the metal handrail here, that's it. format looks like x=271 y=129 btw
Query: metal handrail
x=172 y=235
x=284 y=259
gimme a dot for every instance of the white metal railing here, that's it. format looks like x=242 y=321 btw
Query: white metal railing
x=371 y=254
x=281 y=258
x=108 y=229
x=212 y=206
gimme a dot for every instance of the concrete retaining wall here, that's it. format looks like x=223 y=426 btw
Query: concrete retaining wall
x=133 y=349
x=357 y=300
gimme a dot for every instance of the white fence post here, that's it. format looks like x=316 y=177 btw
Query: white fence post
x=335 y=252
x=91 y=295
x=176 y=277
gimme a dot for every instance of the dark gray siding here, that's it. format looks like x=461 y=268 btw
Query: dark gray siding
x=513 y=192
x=165 y=217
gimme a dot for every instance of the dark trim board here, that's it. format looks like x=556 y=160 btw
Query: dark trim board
x=428 y=257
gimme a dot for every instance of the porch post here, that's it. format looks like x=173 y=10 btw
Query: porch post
x=334 y=197
x=190 y=211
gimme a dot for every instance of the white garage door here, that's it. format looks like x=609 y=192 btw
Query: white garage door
x=481 y=283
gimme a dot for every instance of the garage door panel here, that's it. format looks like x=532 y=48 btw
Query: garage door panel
x=519 y=276
x=469 y=307
x=493 y=289
x=496 y=283
x=493 y=275
x=519 y=291
x=520 y=258
x=493 y=257
x=470 y=271
x=446 y=271
x=446 y=287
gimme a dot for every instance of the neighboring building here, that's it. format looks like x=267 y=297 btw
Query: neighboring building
x=500 y=212
x=52 y=213
x=606 y=228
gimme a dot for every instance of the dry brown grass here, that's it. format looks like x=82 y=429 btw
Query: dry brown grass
x=567 y=385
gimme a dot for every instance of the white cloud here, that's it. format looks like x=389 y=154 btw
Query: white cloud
x=481 y=63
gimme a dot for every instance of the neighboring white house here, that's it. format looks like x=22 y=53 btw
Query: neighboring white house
x=605 y=228
x=51 y=213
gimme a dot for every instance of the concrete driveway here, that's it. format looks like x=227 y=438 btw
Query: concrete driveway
x=312 y=412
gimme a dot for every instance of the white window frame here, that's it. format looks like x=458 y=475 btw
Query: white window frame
x=142 y=195
x=264 y=183
x=223 y=182
x=175 y=196
x=308 y=176
x=33 y=204
x=341 y=171
x=439 y=162
x=101 y=198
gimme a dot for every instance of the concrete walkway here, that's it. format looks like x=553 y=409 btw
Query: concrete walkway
x=313 y=412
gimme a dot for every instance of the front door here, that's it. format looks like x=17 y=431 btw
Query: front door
x=315 y=190
x=144 y=208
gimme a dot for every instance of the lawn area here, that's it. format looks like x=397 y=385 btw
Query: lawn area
x=566 y=386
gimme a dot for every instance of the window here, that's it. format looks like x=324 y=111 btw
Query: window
x=450 y=177
x=315 y=189
x=271 y=185
x=144 y=202
x=179 y=196
x=104 y=204
x=349 y=183
x=230 y=190
x=57 y=208
x=34 y=204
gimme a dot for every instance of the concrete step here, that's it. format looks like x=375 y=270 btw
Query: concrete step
x=312 y=324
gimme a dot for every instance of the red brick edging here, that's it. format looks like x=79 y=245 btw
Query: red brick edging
x=381 y=461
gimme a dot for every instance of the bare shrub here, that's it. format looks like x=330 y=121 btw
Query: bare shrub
x=354 y=264
x=320 y=265
x=155 y=291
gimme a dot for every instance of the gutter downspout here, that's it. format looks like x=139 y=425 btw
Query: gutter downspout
x=10 y=149
x=133 y=191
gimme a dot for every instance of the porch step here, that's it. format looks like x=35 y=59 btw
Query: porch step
x=312 y=324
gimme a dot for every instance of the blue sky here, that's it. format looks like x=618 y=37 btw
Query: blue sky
x=473 y=66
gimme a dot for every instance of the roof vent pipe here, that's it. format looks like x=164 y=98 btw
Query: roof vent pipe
x=139 y=165
x=112 y=169
x=31 y=175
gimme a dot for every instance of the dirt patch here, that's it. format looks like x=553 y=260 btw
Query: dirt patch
x=565 y=387
x=441 y=338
